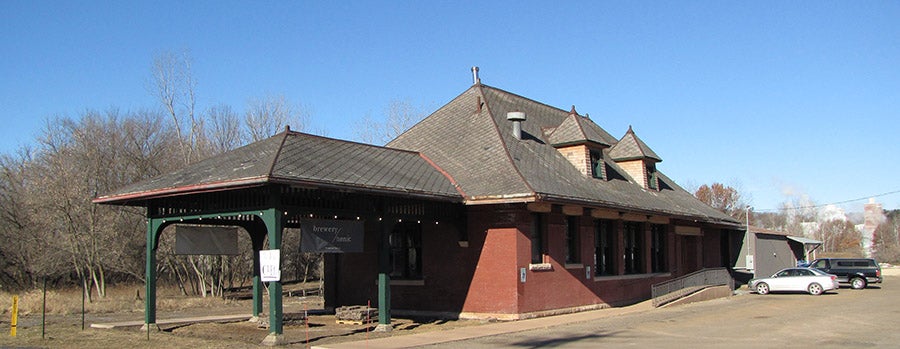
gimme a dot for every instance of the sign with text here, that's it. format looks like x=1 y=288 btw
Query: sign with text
x=270 y=265
x=331 y=236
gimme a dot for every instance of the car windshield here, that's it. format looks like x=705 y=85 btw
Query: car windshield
x=817 y=272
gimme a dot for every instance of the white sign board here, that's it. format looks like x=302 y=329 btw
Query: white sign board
x=269 y=265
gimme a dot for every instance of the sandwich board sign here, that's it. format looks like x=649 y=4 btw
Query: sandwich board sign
x=269 y=265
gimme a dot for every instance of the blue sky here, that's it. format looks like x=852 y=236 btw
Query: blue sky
x=776 y=98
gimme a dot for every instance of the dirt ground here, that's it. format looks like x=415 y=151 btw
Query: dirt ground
x=64 y=331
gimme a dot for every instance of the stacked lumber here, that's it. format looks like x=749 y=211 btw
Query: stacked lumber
x=355 y=314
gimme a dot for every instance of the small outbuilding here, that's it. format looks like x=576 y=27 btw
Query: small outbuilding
x=767 y=251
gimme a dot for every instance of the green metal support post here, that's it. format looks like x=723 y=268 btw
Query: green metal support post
x=384 y=280
x=153 y=228
x=275 y=223
x=257 y=236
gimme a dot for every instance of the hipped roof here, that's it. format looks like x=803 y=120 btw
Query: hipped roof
x=472 y=141
x=296 y=158
x=576 y=129
x=630 y=147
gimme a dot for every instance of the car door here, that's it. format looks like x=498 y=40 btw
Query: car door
x=782 y=281
x=803 y=279
x=822 y=265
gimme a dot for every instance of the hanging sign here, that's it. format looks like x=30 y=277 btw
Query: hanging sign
x=269 y=265
x=331 y=236
x=206 y=240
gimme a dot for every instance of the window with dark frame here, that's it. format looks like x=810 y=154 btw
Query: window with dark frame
x=573 y=255
x=658 y=255
x=604 y=248
x=634 y=240
x=406 y=251
x=652 y=178
x=537 y=238
x=597 y=164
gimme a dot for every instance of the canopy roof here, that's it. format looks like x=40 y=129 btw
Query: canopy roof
x=300 y=159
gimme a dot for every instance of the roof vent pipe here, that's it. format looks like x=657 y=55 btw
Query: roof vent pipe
x=475 y=79
x=517 y=118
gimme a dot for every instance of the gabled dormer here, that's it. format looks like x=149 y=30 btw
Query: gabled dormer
x=583 y=143
x=637 y=159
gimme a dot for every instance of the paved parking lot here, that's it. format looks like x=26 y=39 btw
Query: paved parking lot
x=846 y=318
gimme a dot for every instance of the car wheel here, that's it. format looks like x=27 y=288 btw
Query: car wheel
x=858 y=283
x=762 y=288
x=815 y=289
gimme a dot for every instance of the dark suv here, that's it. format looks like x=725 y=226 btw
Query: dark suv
x=858 y=272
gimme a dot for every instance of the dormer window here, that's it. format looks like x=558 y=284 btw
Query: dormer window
x=637 y=160
x=598 y=167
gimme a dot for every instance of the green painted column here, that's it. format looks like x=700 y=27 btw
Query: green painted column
x=153 y=227
x=384 y=299
x=257 y=236
x=384 y=279
x=274 y=225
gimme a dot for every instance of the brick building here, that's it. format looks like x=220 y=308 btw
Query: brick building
x=558 y=216
x=495 y=205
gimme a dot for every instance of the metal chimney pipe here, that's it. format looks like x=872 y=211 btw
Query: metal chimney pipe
x=517 y=118
x=475 y=79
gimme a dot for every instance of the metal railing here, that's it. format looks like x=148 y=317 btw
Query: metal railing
x=668 y=291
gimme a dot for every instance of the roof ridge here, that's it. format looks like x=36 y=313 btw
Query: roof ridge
x=432 y=113
x=304 y=134
x=499 y=135
x=523 y=97
x=284 y=137
x=445 y=173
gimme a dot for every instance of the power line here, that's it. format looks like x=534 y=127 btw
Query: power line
x=833 y=203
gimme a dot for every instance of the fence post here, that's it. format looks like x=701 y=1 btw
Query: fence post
x=15 y=316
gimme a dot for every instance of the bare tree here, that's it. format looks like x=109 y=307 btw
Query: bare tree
x=269 y=115
x=723 y=198
x=223 y=131
x=398 y=117
x=840 y=237
x=887 y=238
x=173 y=84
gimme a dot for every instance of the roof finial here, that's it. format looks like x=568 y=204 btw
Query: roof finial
x=475 y=79
x=573 y=112
x=630 y=130
x=287 y=128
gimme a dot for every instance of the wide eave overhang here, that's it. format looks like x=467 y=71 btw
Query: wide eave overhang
x=139 y=197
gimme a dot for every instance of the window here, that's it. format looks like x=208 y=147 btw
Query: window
x=658 y=248
x=652 y=178
x=573 y=253
x=597 y=164
x=604 y=247
x=634 y=238
x=537 y=238
x=406 y=251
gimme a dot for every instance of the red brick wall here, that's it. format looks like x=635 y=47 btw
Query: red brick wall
x=494 y=236
x=484 y=277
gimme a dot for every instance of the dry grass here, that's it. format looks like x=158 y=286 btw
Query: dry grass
x=119 y=299
x=63 y=322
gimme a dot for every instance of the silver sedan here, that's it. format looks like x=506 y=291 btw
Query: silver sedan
x=809 y=280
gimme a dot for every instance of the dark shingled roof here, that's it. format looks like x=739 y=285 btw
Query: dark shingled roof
x=298 y=158
x=577 y=129
x=471 y=139
x=630 y=147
